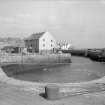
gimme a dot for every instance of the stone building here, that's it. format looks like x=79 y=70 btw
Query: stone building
x=39 y=42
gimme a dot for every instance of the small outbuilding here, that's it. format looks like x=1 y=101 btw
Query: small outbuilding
x=12 y=48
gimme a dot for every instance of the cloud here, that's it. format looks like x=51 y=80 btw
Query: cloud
x=102 y=1
x=6 y=19
x=16 y=19
x=23 y=15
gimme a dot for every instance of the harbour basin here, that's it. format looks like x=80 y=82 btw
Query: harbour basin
x=81 y=69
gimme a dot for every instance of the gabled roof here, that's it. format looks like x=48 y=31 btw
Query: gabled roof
x=35 y=36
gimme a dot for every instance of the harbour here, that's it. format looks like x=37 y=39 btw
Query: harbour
x=52 y=52
x=81 y=69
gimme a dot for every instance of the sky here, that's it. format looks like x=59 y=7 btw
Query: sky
x=79 y=22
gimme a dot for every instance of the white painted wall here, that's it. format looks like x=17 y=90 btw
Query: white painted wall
x=48 y=37
x=65 y=46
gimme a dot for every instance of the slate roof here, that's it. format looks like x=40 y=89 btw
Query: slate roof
x=35 y=36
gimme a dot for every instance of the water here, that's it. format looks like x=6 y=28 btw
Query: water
x=81 y=69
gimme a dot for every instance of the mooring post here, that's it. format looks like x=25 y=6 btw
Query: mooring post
x=52 y=92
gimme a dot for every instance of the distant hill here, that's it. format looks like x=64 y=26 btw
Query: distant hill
x=11 y=41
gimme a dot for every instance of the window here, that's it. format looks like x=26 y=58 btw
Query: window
x=51 y=40
x=31 y=44
x=43 y=39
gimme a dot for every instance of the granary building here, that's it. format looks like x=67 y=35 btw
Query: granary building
x=42 y=41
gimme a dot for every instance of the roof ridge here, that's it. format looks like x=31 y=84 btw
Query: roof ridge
x=39 y=32
x=35 y=35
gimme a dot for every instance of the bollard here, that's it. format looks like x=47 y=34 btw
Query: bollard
x=52 y=92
